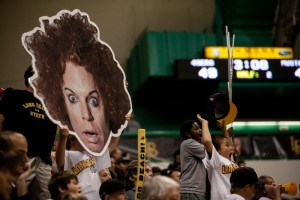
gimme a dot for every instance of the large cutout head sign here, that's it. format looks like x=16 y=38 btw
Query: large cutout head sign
x=78 y=79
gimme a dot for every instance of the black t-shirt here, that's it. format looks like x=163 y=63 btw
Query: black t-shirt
x=25 y=114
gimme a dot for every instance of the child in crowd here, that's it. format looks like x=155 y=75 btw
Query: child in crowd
x=192 y=151
x=62 y=182
x=85 y=166
x=242 y=182
x=113 y=189
x=218 y=161
x=104 y=174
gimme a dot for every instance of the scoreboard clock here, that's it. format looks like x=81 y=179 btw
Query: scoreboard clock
x=243 y=69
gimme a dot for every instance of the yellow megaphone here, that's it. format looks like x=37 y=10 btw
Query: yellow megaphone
x=289 y=188
x=222 y=109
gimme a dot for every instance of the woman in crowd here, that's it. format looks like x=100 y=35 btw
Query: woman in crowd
x=266 y=189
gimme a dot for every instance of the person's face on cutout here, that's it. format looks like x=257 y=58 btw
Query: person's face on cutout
x=225 y=148
x=74 y=186
x=85 y=107
x=172 y=194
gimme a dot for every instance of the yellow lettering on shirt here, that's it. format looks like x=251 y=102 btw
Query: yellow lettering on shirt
x=39 y=106
x=226 y=169
x=82 y=165
x=37 y=115
x=28 y=105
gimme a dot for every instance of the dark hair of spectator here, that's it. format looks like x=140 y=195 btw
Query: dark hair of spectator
x=185 y=128
x=60 y=180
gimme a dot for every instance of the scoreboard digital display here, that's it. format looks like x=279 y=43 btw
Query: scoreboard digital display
x=221 y=52
x=243 y=69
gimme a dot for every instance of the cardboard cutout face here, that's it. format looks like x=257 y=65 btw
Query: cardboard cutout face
x=78 y=79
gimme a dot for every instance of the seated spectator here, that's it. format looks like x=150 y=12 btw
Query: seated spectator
x=104 y=174
x=6 y=176
x=126 y=155
x=156 y=171
x=112 y=168
x=116 y=153
x=160 y=188
x=241 y=163
x=16 y=143
x=131 y=176
x=176 y=161
x=267 y=189
x=113 y=189
x=121 y=166
x=62 y=182
x=172 y=173
x=242 y=182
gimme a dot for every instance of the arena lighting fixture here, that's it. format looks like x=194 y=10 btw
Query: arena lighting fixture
x=267 y=123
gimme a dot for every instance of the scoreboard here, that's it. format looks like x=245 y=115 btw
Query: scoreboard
x=221 y=52
x=243 y=69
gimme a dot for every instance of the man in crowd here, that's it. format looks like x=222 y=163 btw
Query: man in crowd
x=20 y=111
